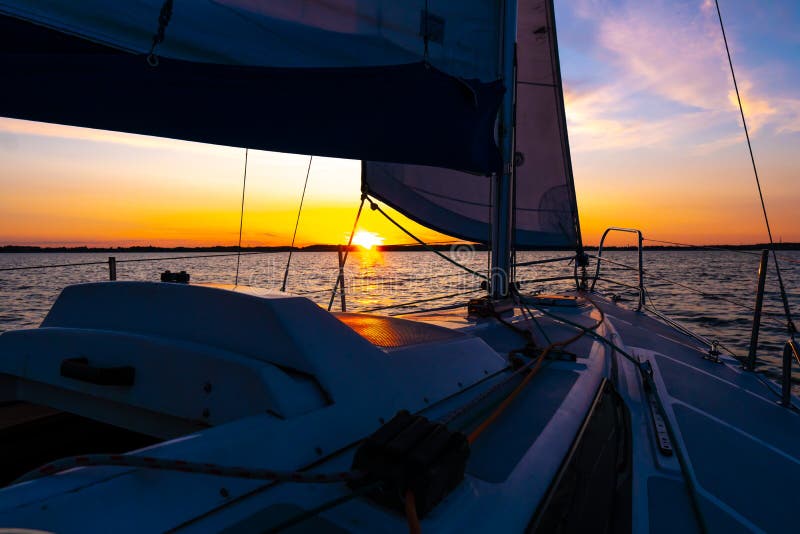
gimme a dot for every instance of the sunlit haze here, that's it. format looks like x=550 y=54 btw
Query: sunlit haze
x=655 y=136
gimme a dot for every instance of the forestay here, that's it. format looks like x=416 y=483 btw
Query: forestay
x=390 y=80
x=458 y=203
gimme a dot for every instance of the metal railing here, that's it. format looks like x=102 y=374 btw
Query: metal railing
x=599 y=258
x=791 y=351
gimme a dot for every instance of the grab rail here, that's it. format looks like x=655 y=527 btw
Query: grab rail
x=640 y=304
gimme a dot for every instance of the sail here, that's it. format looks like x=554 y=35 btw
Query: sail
x=458 y=203
x=390 y=80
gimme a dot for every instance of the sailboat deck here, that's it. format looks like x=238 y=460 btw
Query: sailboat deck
x=725 y=423
x=725 y=419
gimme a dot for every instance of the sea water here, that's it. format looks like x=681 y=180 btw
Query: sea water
x=712 y=292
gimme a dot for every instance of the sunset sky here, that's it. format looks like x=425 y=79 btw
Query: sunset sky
x=655 y=135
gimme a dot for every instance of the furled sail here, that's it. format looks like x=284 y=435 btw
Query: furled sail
x=458 y=203
x=408 y=81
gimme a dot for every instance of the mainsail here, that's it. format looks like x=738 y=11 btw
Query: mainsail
x=411 y=87
x=388 y=80
x=459 y=203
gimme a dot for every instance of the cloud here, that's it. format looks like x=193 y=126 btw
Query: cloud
x=787 y=117
x=670 y=80
x=24 y=127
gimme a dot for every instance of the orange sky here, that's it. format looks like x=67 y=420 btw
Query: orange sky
x=655 y=136
x=64 y=185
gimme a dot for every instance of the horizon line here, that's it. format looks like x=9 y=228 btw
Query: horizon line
x=389 y=247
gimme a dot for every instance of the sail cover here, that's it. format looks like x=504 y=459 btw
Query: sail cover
x=408 y=81
x=458 y=203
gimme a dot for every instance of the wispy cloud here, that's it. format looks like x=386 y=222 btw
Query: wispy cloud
x=670 y=80
x=24 y=127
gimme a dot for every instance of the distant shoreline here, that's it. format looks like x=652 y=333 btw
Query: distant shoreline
x=386 y=248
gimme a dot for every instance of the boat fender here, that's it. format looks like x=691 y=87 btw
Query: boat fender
x=412 y=454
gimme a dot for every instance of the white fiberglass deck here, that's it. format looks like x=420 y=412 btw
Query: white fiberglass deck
x=742 y=449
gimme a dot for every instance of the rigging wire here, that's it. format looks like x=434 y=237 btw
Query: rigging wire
x=648 y=382
x=789 y=323
x=666 y=280
x=420 y=301
x=397 y=282
x=133 y=260
x=296 y=224
x=375 y=207
x=346 y=252
x=241 y=218
x=706 y=247
x=528 y=377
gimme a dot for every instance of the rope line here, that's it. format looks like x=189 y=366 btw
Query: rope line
x=706 y=247
x=26 y=267
x=687 y=287
x=524 y=307
x=789 y=323
x=413 y=302
x=296 y=224
x=412 y=519
x=547 y=260
x=134 y=260
x=685 y=330
x=313 y=512
x=375 y=207
x=384 y=283
x=647 y=380
x=149 y=462
x=536 y=365
x=241 y=219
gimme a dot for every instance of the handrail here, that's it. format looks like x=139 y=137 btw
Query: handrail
x=641 y=262
x=790 y=350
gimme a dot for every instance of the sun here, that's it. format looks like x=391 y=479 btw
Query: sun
x=367 y=240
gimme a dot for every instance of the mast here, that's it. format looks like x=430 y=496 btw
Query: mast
x=502 y=201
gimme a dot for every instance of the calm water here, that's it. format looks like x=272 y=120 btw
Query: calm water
x=376 y=280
